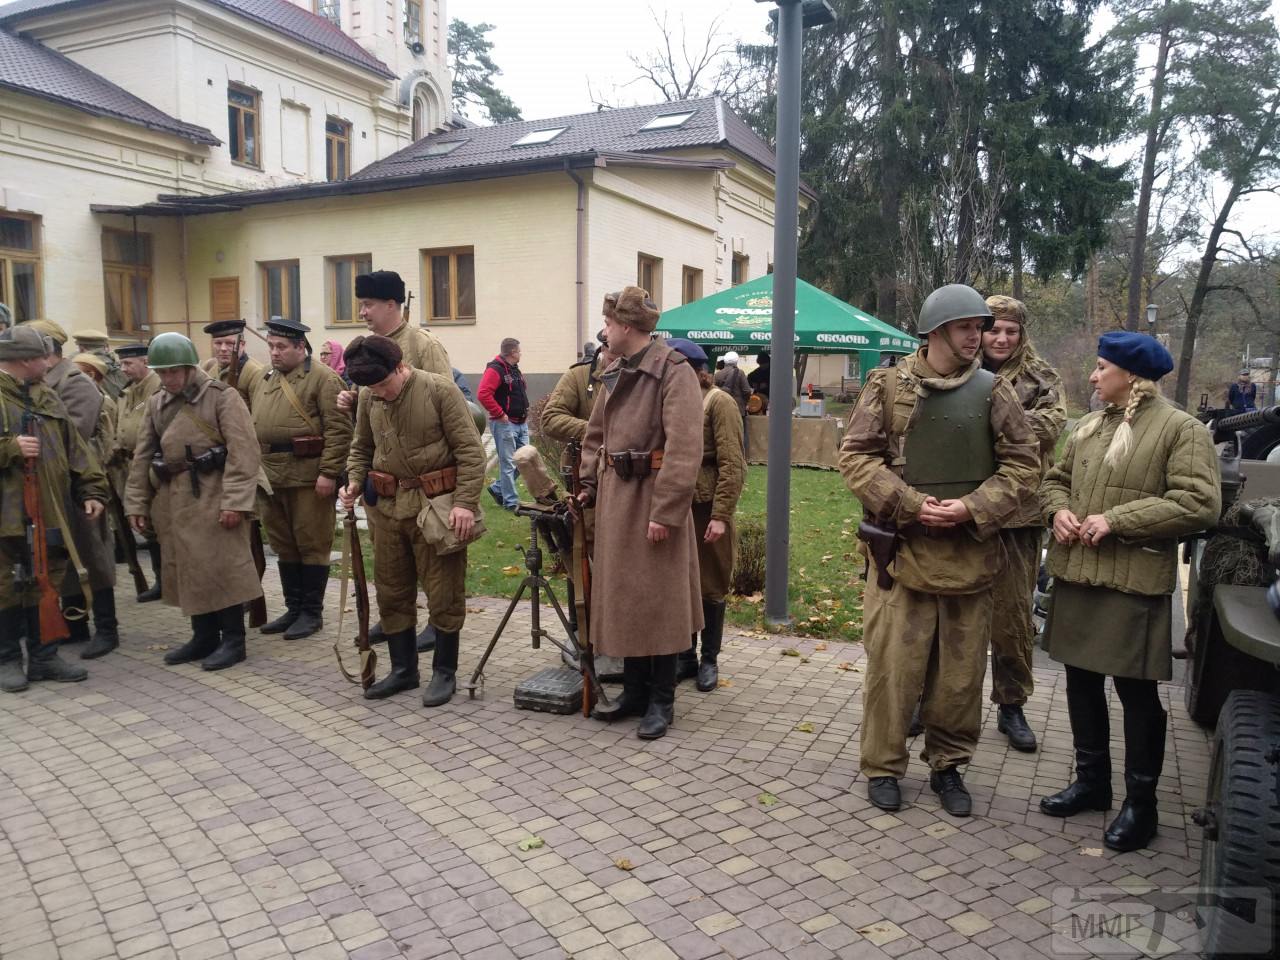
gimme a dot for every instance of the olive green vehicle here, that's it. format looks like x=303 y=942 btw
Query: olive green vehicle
x=1232 y=685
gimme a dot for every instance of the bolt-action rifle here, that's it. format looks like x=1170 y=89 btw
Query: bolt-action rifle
x=353 y=561
x=126 y=539
x=53 y=626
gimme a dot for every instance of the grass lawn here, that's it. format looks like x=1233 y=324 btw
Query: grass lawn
x=825 y=592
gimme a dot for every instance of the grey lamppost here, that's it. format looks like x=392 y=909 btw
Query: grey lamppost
x=792 y=17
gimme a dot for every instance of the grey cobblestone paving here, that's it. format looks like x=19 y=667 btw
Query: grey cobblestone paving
x=268 y=811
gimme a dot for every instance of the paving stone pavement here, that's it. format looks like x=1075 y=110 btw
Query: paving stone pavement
x=269 y=811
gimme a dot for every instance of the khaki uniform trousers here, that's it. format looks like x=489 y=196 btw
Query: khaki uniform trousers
x=1012 y=633
x=914 y=641
x=402 y=560
x=715 y=560
x=13 y=550
x=299 y=525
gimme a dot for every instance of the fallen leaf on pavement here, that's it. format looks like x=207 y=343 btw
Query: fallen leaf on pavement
x=531 y=843
x=820 y=647
x=805 y=727
x=511 y=571
x=1091 y=851
x=725 y=683
x=790 y=652
x=767 y=799
x=622 y=863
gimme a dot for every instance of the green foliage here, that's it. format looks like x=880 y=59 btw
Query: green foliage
x=474 y=71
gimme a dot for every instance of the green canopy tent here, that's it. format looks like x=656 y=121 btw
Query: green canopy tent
x=741 y=319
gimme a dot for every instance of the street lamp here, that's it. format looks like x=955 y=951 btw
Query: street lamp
x=1151 y=317
x=792 y=17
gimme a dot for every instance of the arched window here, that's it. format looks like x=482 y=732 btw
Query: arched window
x=426 y=111
x=419 y=109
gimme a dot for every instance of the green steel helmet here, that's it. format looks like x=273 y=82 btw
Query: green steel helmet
x=955 y=301
x=172 y=350
x=478 y=415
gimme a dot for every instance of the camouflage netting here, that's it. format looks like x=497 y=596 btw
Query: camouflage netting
x=1232 y=560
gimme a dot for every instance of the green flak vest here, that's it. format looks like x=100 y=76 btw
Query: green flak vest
x=950 y=449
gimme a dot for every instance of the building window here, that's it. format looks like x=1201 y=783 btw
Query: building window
x=337 y=145
x=280 y=292
x=331 y=10
x=450 y=277
x=649 y=276
x=741 y=268
x=20 y=265
x=691 y=283
x=126 y=274
x=413 y=21
x=344 y=308
x=242 y=125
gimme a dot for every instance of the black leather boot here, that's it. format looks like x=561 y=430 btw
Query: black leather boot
x=312 y=580
x=77 y=618
x=13 y=625
x=444 y=669
x=155 y=591
x=1011 y=722
x=290 y=576
x=231 y=649
x=1144 y=736
x=427 y=639
x=205 y=634
x=403 y=651
x=662 y=698
x=634 y=699
x=43 y=662
x=377 y=634
x=687 y=661
x=712 y=636
x=1091 y=734
x=106 y=628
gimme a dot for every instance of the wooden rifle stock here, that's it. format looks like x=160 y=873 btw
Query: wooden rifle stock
x=368 y=658
x=126 y=540
x=53 y=626
x=582 y=573
x=258 y=605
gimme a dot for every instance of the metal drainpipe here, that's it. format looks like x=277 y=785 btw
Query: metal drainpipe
x=579 y=280
x=186 y=279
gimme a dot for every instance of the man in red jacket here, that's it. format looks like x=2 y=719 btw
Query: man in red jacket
x=505 y=399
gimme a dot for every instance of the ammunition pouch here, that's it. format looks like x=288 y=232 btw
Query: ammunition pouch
x=308 y=446
x=432 y=484
x=637 y=464
x=370 y=493
x=881 y=540
x=211 y=461
x=384 y=484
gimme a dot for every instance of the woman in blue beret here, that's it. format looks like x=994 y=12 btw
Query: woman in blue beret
x=1133 y=478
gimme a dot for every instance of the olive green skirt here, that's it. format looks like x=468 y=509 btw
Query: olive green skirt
x=1109 y=632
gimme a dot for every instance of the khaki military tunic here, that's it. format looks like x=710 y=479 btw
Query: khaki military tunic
x=930 y=629
x=206 y=567
x=68 y=473
x=720 y=480
x=251 y=374
x=564 y=420
x=426 y=428
x=422 y=350
x=130 y=412
x=298 y=523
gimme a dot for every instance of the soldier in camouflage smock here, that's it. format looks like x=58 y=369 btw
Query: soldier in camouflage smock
x=70 y=481
x=97 y=343
x=942 y=469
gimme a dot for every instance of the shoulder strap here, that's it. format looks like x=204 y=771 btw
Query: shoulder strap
x=293 y=401
x=887 y=400
x=204 y=426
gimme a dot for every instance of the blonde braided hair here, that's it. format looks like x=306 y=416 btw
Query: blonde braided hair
x=1122 y=442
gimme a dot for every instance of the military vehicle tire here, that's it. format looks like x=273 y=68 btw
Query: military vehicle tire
x=1213 y=667
x=1241 y=820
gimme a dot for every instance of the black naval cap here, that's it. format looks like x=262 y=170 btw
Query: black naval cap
x=380 y=285
x=132 y=350
x=290 y=329
x=224 y=328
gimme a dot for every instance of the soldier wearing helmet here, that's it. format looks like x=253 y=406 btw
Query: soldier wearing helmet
x=194 y=478
x=941 y=455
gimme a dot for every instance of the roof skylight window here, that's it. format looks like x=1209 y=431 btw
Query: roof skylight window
x=668 y=121
x=536 y=137
x=442 y=148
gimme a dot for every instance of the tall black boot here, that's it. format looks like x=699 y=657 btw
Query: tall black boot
x=205 y=634
x=634 y=699
x=1090 y=734
x=444 y=669
x=106 y=629
x=1144 y=737
x=427 y=639
x=403 y=651
x=231 y=648
x=77 y=618
x=312 y=580
x=687 y=661
x=662 y=698
x=712 y=636
x=13 y=625
x=155 y=591
x=290 y=586
x=43 y=662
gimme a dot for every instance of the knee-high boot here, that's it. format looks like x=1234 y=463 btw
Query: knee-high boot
x=662 y=698
x=1144 y=738
x=290 y=574
x=312 y=580
x=1090 y=734
x=155 y=591
x=402 y=648
x=444 y=669
x=712 y=637
x=13 y=626
x=634 y=699
x=231 y=647
x=106 y=628
x=205 y=633
x=43 y=662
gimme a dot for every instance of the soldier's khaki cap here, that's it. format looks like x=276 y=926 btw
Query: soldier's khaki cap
x=91 y=360
x=48 y=328
x=21 y=343
x=90 y=336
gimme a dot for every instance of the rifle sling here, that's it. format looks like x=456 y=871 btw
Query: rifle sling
x=293 y=401
x=342 y=604
x=69 y=541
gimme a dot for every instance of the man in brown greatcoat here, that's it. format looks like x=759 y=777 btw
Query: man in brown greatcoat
x=304 y=440
x=640 y=467
x=194 y=476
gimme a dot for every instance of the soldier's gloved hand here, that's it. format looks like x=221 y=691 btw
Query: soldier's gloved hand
x=462 y=521
x=715 y=530
x=347 y=400
x=347 y=496
x=325 y=486
x=28 y=446
x=1066 y=528
x=229 y=519
x=93 y=509
x=657 y=532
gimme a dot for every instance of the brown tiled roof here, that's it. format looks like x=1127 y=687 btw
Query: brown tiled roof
x=712 y=124
x=31 y=68
x=281 y=16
